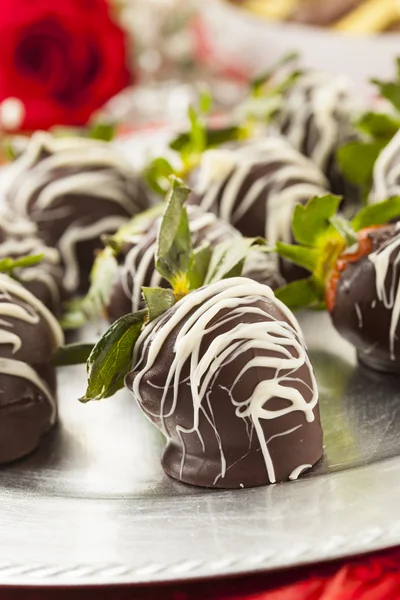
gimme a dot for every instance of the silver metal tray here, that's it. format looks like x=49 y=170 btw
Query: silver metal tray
x=92 y=505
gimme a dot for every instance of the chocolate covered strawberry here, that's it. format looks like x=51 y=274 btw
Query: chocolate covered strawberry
x=216 y=363
x=355 y=275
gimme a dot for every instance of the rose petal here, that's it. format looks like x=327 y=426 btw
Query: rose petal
x=63 y=61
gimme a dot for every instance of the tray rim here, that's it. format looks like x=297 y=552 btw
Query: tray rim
x=365 y=541
x=85 y=575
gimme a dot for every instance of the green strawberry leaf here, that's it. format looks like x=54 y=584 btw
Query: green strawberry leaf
x=205 y=101
x=157 y=174
x=179 y=142
x=9 y=148
x=111 y=358
x=197 y=132
x=312 y=220
x=158 y=301
x=378 y=125
x=8 y=265
x=214 y=137
x=283 y=86
x=300 y=255
x=322 y=236
x=199 y=137
x=228 y=258
x=198 y=127
x=389 y=90
x=345 y=229
x=110 y=242
x=377 y=214
x=199 y=264
x=263 y=103
x=71 y=354
x=299 y=294
x=174 y=240
x=357 y=160
x=101 y=130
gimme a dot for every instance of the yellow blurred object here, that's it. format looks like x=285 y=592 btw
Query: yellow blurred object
x=273 y=9
x=372 y=16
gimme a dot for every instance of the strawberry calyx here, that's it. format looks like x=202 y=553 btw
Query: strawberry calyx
x=363 y=248
x=326 y=243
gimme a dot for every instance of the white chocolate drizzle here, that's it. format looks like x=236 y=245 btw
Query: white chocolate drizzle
x=386 y=174
x=298 y=471
x=52 y=168
x=359 y=315
x=15 y=226
x=221 y=303
x=79 y=233
x=292 y=178
x=31 y=313
x=388 y=290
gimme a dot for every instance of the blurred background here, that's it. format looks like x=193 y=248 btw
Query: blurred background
x=141 y=62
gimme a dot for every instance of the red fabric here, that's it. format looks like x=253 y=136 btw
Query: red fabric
x=375 y=577
x=62 y=58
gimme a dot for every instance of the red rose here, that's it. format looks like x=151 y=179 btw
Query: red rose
x=63 y=59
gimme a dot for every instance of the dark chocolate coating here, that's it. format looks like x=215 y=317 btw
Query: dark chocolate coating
x=25 y=410
x=24 y=415
x=245 y=464
x=368 y=327
x=42 y=293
